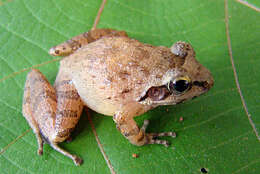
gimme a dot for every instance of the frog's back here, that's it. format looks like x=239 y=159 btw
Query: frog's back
x=113 y=71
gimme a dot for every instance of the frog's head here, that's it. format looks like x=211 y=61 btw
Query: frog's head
x=185 y=81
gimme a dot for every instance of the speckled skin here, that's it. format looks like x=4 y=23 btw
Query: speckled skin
x=111 y=74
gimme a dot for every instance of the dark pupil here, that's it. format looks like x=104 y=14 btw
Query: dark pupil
x=181 y=85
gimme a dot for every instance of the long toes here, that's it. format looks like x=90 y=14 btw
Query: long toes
x=169 y=134
x=77 y=160
x=162 y=134
x=156 y=141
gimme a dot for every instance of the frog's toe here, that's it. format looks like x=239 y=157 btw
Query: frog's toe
x=152 y=138
x=163 y=134
x=157 y=141
x=77 y=160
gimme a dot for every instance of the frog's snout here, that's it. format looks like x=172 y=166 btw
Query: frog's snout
x=210 y=83
x=206 y=85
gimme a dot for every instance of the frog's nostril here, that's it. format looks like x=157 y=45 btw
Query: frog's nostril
x=204 y=84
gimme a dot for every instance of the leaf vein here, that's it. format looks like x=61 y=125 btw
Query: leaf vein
x=42 y=22
x=17 y=165
x=235 y=72
x=249 y=5
x=64 y=14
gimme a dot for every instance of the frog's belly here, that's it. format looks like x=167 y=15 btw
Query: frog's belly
x=106 y=100
x=94 y=96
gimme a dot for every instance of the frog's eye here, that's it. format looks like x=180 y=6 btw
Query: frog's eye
x=179 y=85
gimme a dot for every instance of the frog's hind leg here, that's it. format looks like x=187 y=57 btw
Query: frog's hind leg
x=69 y=109
x=42 y=107
x=77 y=42
x=38 y=95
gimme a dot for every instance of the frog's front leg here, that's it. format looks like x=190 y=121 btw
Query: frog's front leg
x=51 y=112
x=138 y=136
x=77 y=42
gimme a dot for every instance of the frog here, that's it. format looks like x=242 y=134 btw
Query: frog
x=114 y=75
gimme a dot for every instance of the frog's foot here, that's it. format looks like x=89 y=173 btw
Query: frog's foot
x=77 y=42
x=152 y=138
x=77 y=160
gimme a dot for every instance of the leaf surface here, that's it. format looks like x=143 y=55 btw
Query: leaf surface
x=220 y=130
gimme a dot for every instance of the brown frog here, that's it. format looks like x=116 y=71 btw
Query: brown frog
x=113 y=75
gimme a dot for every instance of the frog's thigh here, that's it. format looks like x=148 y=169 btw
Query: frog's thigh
x=39 y=105
x=77 y=42
x=69 y=107
x=44 y=114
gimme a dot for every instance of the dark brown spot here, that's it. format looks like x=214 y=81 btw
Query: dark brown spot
x=42 y=97
x=70 y=94
x=68 y=113
x=63 y=82
x=124 y=75
x=125 y=91
x=49 y=94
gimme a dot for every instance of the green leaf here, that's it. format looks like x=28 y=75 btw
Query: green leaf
x=220 y=130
